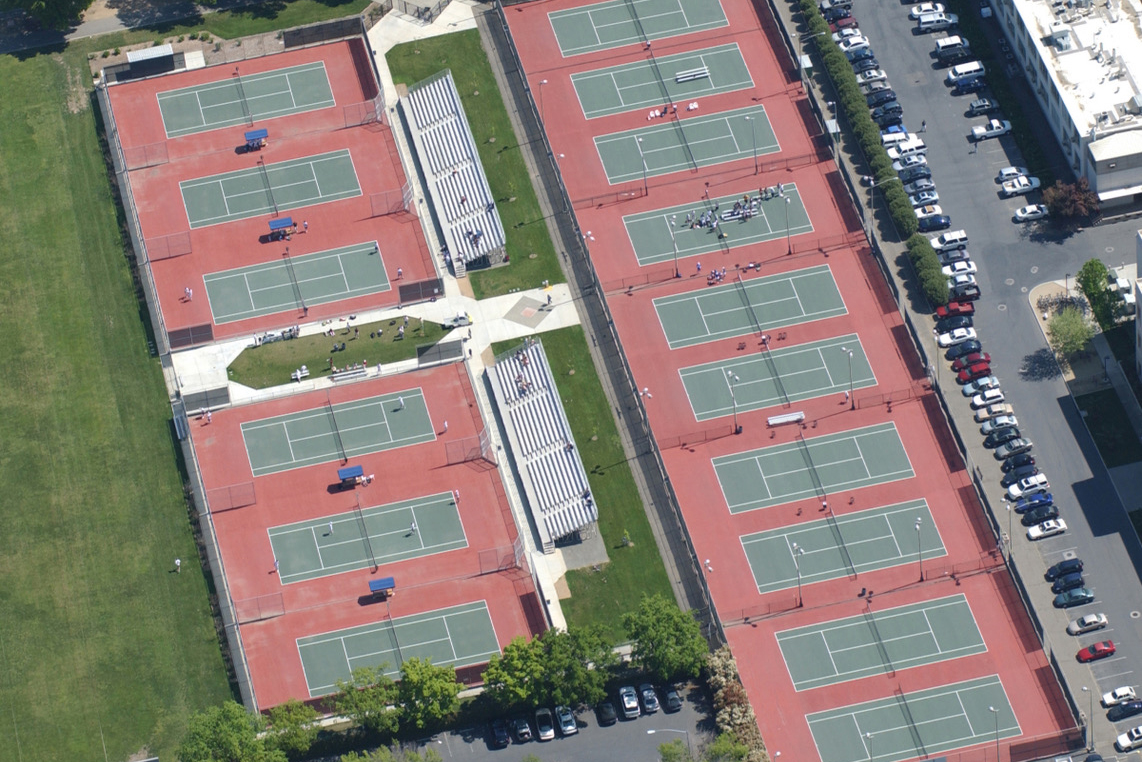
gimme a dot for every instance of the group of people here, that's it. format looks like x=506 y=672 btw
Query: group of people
x=363 y=365
x=716 y=276
x=474 y=236
x=664 y=111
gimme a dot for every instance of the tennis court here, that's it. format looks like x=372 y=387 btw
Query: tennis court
x=296 y=282
x=776 y=376
x=880 y=642
x=658 y=81
x=367 y=538
x=684 y=144
x=840 y=546
x=917 y=724
x=269 y=188
x=814 y=467
x=625 y=22
x=244 y=99
x=457 y=636
x=656 y=235
x=749 y=306
x=337 y=432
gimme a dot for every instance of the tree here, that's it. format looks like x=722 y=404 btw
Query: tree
x=1071 y=200
x=577 y=665
x=427 y=694
x=668 y=642
x=226 y=733
x=54 y=14
x=1069 y=332
x=293 y=727
x=674 y=751
x=725 y=748
x=393 y=754
x=367 y=699
x=515 y=678
x=1093 y=279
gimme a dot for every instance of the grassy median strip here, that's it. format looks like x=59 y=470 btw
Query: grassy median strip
x=524 y=223
x=635 y=569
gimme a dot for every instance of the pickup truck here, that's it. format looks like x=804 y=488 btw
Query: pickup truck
x=1020 y=186
x=993 y=129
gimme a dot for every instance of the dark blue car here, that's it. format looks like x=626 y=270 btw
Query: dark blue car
x=1031 y=502
x=934 y=223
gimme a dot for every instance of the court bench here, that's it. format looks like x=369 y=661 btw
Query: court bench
x=702 y=72
x=350 y=375
x=300 y=373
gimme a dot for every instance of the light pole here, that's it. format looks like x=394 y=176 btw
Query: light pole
x=788 y=240
x=1090 y=719
x=542 y=116
x=1010 y=537
x=733 y=379
x=920 y=547
x=686 y=733
x=1066 y=285
x=868 y=737
x=852 y=399
x=995 y=714
x=800 y=68
x=645 y=190
x=798 y=551
x=674 y=243
x=753 y=130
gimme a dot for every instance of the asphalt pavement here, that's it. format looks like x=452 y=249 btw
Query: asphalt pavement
x=1012 y=259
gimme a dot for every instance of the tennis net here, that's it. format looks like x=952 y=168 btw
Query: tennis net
x=293 y=280
x=242 y=97
x=870 y=619
x=769 y=358
x=661 y=82
x=365 y=535
x=336 y=431
x=637 y=21
x=911 y=723
x=266 y=181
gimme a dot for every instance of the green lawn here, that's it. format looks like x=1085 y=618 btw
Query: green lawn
x=603 y=597
x=1110 y=428
x=271 y=364
x=507 y=174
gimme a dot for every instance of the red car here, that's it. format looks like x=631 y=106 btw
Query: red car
x=971 y=373
x=955 y=308
x=970 y=360
x=846 y=23
x=1097 y=651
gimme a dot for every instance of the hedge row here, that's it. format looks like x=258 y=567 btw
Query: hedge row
x=867 y=135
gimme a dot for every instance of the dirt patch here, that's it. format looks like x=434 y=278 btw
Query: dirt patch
x=98 y=10
x=78 y=99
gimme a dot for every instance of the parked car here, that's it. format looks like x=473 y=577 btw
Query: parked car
x=499 y=737
x=932 y=210
x=924 y=197
x=925 y=8
x=969 y=360
x=915 y=160
x=888 y=121
x=959 y=268
x=991 y=411
x=993 y=129
x=956 y=308
x=1016 y=461
x=962 y=280
x=919 y=186
x=1067 y=582
x=934 y=223
x=835 y=14
x=1129 y=740
x=981 y=106
x=970 y=86
x=1119 y=695
x=1030 y=503
x=544 y=724
x=966 y=293
x=963 y=349
x=846 y=22
x=1010 y=173
x=1014 y=447
x=671 y=701
x=989 y=397
x=605 y=713
x=973 y=373
x=1029 y=486
x=876 y=75
x=1088 y=623
x=1067 y=566
x=952 y=255
x=649 y=698
x=521 y=729
x=943 y=325
x=566 y=719
x=844 y=34
x=1016 y=474
x=1000 y=436
x=958 y=336
x=915 y=173
x=866 y=64
x=1096 y=651
x=628 y=699
x=891 y=107
x=980 y=385
x=860 y=54
x=1122 y=711
x=1032 y=212
x=1040 y=514
x=998 y=422
x=1080 y=596
x=1020 y=186
x=1049 y=529
x=879 y=89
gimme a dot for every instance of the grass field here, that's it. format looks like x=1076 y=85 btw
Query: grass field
x=518 y=206
x=603 y=597
x=1110 y=428
x=271 y=364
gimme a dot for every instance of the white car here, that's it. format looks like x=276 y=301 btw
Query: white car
x=1033 y=212
x=915 y=160
x=1088 y=623
x=923 y=198
x=844 y=34
x=1047 y=529
x=1131 y=739
x=853 y=43
x=925 y=8
x=873 y=87
x=964 y=279
x=988 y=398
x=1020 y=186
x=932 y=210
x=1010 y=173
x=993 y=129
x=1119 y=696
x=959 y=268
x=973 y=388
x=919 y=186
x=992 y=411
x=874 y=75
x=958 y=336
x=1032 y=485
x=998 y=422
x=952 y=255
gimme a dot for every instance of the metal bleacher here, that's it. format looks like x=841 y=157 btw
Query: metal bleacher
x=457 y=186
x=546 y=458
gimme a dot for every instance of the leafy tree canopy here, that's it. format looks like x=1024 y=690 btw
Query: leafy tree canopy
x=367 y=699
x=428 y=695
x=1093 y=279
x=668 y=642
x=293 y=727
x=515 y=678
x=53 y=14
x=1071 y=200
x=393 y=754
x=226 y=733
x=1069 y=331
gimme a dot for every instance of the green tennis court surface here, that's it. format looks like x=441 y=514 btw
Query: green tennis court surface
x=909 y=636
x=457 y=636
x=770 y=378
x=658 y=81
x=655 y=234
x=835 y=547
x=917 y=724
x=244 y=99
x=682 y=144
x=748 y=306
x=337 y=432
x=294 y=282
x=371 y=537
x=624 y=22
x=269 y=188
x=812 y=467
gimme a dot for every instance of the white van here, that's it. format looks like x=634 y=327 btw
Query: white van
x=953 y=239
x=952 y=48
x=965 y=72
x=937 y=22
x=909 y=147
x=889 y=139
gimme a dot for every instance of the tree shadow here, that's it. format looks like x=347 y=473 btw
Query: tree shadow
x=1040 y=365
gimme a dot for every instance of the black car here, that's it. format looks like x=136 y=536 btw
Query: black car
x=1069 y=566
x=1122 y=711
x=1017 y=461
x=999 y=436
x=1067 y=582
x=606 y=713
x=970 y=86
x=866 y=64
x=911 y=174
x=835 y=14
x=891 y=120
x=879 y=97
x=859 y=54
x=671 y=702
x=951 y=323
x=522 y=729
x=500 y=738
x=1016 y=474
x=892 y=107
x=934 y=223
x=964 y=348
x=1039 y=515
x=967 y=292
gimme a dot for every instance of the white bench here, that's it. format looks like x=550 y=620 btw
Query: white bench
x=300 y=373
x=787 y=418
x=702 y=72
x=349 y=375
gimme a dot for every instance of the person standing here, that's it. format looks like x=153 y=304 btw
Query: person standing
x=330 y=528
x=178 y=566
